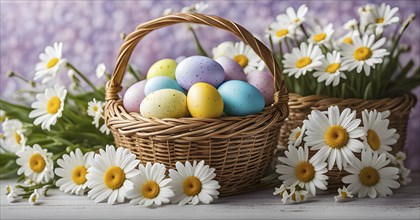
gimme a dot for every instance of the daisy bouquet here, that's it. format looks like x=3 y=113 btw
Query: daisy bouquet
x=353 y=152
x=50 y=120
x=360 y=61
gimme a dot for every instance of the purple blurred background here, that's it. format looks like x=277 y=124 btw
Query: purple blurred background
x=90 y=31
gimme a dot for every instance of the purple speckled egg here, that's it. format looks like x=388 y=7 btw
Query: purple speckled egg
x=196 y=69
x=232 y=69
x=263 y=81
x=134 y=96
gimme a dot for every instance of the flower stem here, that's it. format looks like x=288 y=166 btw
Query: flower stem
x=14 y=74
x=69 y=65
x=132 y=72
x=304 y=31
x=197 y=42
x=400 y=33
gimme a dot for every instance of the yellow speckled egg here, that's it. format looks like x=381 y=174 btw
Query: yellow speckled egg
x=204 y=101
x=165 y=67
x=164 y=103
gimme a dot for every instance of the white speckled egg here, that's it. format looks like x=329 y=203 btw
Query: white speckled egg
x=134 y=96
x=196 y=69
x=263 y=81
x=232 y=69
x=164 y=103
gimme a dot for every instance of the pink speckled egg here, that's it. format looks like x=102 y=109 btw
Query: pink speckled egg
x=263 y=81
x=232 y=69
x=134 y=96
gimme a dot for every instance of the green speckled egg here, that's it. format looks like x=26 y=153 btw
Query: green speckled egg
x=165 y=67
x=164 y=103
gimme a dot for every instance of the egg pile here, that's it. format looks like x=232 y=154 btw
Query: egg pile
x=199 y=87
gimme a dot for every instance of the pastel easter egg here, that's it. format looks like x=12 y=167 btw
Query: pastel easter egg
x=164 y=103
x=161 y=82
x=196 y=69
x=263 y=81
x=204 y=101
x=232 y=69
x=241 y=98
x=165 y=67
x=134 y=96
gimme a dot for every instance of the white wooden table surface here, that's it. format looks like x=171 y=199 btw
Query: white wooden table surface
x=404 y=204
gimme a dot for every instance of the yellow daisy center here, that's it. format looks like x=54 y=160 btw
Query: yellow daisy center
x=369 y=176
x=296 y=20
x=18 y=138
x=362 y=53
x=297 y=135
x=2 y=118
x=192 y=186
x=302 y=62
x=95 y=108
x=348 y=40
x=53 y=105
x=333 y=67
x=37 y=163
x=114 y=177
x=242 y=60
x=52 y=62
x=343 y=194
x=282 y=32
x=305 y=171
x=319 y=37
x=78 y=175
x=373 y=140
x=150 y=189
x=380 y=20
x=336 y=136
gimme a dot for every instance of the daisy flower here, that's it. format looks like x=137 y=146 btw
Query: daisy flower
x=109 y=174
x=14 y=140
x=279 y=30
x=296 y=136
x=195 y=8
x=365 y=12
x=36 y=163
x=48 y=107
x=302 y=60
x=351 y=25
x=331 y=70
x=296 y=196
x=403 y=175
x=320 y=35
x=104 y=129
x=370 y=176
x=100 y=70
x=378 y=136
x=95 y=110
x=346 y=39
x=364 y=53
x=193 y=183
x=299 y=171
x=297 y=17
x=245 y=56
x=50 y=64
x=150 y=187
x=222 y=48
x=383 y=15
x=334 y=136
x=73 y=169
x=34 y=197
x=399 y=158
x=343 y=195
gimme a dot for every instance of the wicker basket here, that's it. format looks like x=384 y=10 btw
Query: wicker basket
x=301 y=106
x=239 y=148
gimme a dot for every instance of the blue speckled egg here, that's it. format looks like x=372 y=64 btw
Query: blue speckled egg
x=196 y=69
x=161 y=82
x=241 y=98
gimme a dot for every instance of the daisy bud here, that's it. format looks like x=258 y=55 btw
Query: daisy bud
x=34 y=197
x=12 y=196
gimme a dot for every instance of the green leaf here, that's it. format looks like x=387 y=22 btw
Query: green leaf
x=16 y=111
x=368 y=92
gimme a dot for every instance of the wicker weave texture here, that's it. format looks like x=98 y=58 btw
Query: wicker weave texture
x=301 y=106
x=239 y=148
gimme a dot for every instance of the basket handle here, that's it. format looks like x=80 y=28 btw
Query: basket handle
x=114 y=84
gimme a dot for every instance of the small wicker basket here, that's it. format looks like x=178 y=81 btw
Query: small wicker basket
x=239 y=148
x=301 y=106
